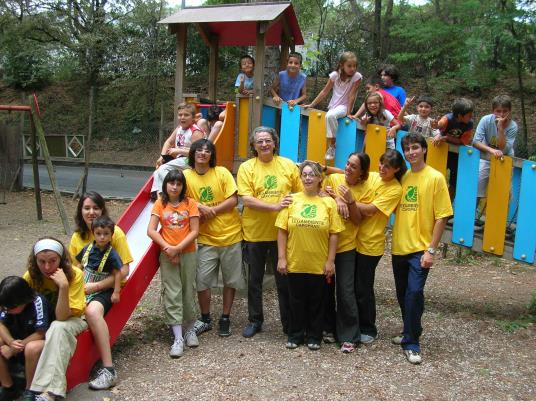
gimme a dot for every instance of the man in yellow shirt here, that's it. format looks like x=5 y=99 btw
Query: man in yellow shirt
x=420 y=220
x=265 y=183
x=220 y=233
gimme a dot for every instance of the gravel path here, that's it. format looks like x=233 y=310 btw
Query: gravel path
x=468 y=353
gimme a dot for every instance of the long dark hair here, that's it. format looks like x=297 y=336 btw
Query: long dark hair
x=395 y=159
x=81 y=226
x=364 y=164
x=65 y=265
x=173 y=175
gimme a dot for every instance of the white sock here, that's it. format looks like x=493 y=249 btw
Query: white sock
x=177 y=331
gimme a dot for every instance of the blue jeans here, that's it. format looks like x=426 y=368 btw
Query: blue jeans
x=410 y=279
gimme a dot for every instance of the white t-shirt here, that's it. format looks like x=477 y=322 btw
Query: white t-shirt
x=341 y=89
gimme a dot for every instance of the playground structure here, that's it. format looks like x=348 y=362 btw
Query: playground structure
x=303 y=137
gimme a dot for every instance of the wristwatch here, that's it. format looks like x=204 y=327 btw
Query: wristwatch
x=431 y=251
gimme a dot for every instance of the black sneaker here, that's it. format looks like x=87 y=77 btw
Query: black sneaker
x=8 y=393
x=251 y=329
x=225 y=327
x=28 y=395
x=200 y=326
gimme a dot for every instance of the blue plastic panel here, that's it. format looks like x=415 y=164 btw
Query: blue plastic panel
x=304 y=128
x=398 y=146
x=465 y=201
x=346 y=141
x=269 y=116
x=514 y=200
x=525 y=240
x=290 y=132
x=360 y=140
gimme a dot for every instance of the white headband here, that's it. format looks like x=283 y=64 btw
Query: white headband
x=48 y=244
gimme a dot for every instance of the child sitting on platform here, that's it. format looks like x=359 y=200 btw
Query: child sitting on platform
x=495 y=135
x=24 y=319
x=345 y=81
x=376 y=114
x=244 y=80
x=390 y=103
x=455 y=128
x=289 y=85
x=420 y=123
x=98 y=260
x=174 y=154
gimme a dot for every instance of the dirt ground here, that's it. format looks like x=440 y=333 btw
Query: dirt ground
x=474 y=344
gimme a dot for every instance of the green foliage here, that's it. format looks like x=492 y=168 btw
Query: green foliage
x=524 y=321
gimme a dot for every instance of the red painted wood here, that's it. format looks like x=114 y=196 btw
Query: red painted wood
x=86 y=353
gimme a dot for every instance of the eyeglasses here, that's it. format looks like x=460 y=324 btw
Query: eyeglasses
x=266 y=141
x=310 y=175
x=202 y=150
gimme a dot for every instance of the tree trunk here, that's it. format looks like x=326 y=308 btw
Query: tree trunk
x=376 y=39
x=385 y=42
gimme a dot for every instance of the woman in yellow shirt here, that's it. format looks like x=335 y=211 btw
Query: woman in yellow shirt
x=50 y=273
x=307 y=242
x=91 y=206
x=370 y=241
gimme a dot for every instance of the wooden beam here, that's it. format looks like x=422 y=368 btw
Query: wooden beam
x=180 y=67
x=204 y=32
x=41 y=135
x=213 y=68
x=258 y=84
x=284 y=52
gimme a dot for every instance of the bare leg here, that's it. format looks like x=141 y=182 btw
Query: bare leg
x=32 y=351
x=215 y=131
x=228 y=298
x=204 y=301
x=99 y=329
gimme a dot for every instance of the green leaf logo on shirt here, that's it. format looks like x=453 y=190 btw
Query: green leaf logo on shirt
x=270 y=182
x=206 y=194
x=308 y=212
x=411 y=194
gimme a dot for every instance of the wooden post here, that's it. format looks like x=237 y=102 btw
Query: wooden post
x=41 y=134
x=180 y=67
x=35 y=168
x=213 y=69
x=259 y=75
x=284 y=51
x=161 y=127
x=88 y=141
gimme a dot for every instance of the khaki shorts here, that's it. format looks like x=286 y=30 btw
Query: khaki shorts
x=210 y=258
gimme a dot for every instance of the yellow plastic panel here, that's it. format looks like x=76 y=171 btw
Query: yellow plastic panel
x=375 y=144
x=224 y=141
x=316 y=136
x=243 y=127
x=500 y=177
x=437 y=156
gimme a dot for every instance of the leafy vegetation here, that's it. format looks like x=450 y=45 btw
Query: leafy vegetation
x=457 y=47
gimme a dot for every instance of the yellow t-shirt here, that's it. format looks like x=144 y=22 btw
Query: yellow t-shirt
x=211 y=189
x=425 y=199
x=269 y=182
x=49 y=289
x=362 y=193
x=119 y=243
x=309 y=221
x=371 y=236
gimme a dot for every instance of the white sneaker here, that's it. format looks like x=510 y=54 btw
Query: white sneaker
x=104 y=380
x=177 y=348
x=413 y=357
x=191 y=339
x=330 y=153
x=397 y=340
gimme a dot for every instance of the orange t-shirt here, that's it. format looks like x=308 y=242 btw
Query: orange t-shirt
x=175 y=221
